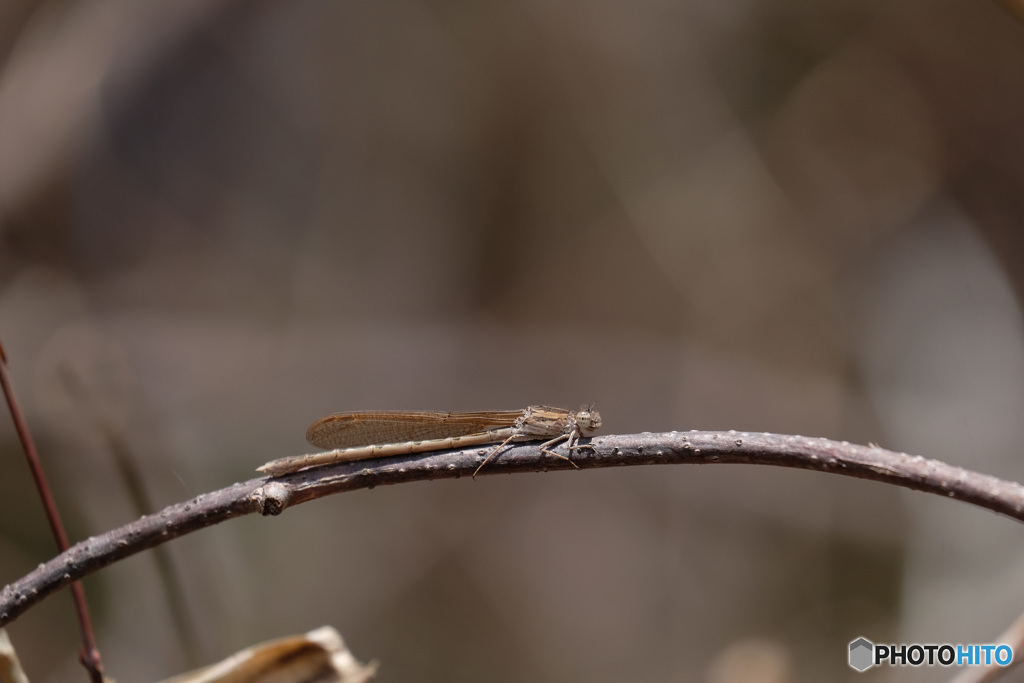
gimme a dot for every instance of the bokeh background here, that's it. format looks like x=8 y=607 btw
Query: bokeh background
x=221 y=220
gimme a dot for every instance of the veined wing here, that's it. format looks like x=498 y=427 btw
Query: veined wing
x=366 y=428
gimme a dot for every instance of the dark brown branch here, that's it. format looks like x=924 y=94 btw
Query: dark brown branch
x=271 y=496
x=90 y=654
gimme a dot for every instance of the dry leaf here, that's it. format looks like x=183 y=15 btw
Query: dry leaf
x=10 y=668
x=319 y=656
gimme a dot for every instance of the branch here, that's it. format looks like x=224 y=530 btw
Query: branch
x=90 y=653
x=272 y=495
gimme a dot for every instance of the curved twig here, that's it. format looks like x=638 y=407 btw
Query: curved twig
x=90 y=652
x=272 y=495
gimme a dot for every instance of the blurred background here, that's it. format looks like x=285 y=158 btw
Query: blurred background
x=221 y=220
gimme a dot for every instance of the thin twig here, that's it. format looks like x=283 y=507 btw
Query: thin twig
x=272 y=495
x=127 y=467
x=90 y=653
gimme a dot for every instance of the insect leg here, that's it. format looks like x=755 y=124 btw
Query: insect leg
x=491 y=454
x=544 y=447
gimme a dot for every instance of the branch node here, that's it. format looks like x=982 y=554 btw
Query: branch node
x=271 y=498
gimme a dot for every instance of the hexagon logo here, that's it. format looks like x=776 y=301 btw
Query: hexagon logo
x=862 y=654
